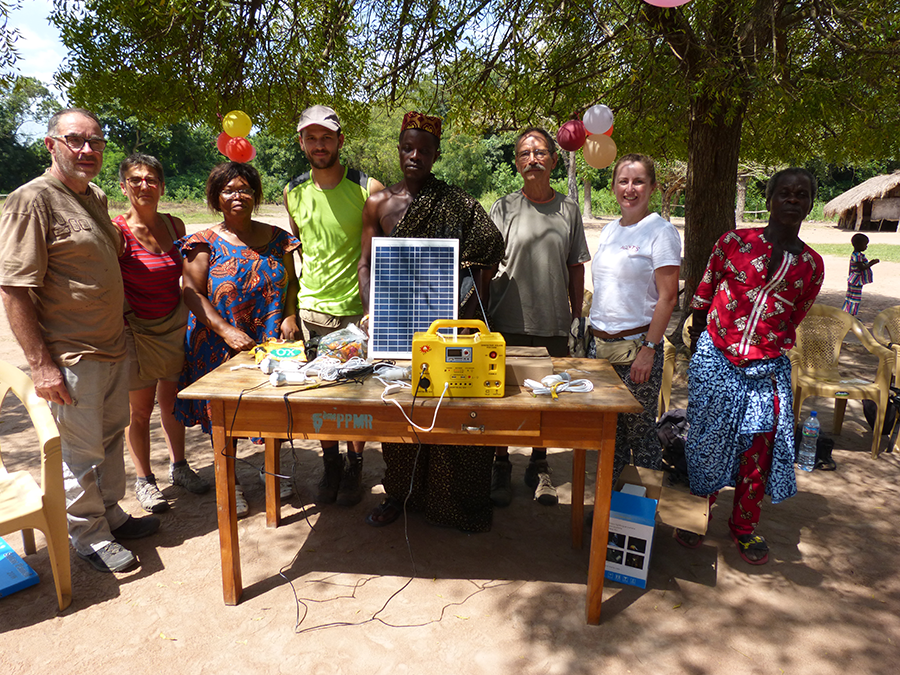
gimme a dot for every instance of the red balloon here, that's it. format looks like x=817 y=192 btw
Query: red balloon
x=608 y=132
x=239 y=150
x=571 y=135
x=222 y=141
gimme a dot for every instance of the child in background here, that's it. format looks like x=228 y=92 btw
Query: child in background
x=860 y=273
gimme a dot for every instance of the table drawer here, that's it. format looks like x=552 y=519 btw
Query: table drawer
x=474 y=422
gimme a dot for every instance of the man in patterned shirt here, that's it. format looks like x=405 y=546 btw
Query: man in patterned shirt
x=757 y=287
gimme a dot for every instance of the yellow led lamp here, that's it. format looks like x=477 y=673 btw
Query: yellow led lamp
x=469 y=365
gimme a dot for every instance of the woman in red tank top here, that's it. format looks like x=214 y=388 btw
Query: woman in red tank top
x=151 y=272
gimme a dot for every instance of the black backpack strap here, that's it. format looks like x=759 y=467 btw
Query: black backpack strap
x=296 y=180
x=358 y=177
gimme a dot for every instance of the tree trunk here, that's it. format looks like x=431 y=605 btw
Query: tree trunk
x=588 y=211
x=714 y=146
x=665 y=206
x=742 y=183
x=573 y=180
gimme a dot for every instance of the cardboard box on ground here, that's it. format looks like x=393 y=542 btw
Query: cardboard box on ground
x=632 y=521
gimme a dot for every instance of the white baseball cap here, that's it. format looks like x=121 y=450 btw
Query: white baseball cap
x=321 y=115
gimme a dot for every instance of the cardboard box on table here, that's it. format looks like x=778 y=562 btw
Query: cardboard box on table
x=632 y=520
x=527 y=363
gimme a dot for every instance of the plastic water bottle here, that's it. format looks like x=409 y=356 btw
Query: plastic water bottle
x=806 y=456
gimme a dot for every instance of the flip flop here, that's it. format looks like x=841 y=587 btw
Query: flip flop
x=688 y=539
x=751 y=542
x=385 y=513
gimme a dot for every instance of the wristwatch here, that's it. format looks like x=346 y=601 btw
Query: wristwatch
x=652 y=345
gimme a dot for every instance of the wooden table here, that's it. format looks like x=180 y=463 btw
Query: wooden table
x=356 y=412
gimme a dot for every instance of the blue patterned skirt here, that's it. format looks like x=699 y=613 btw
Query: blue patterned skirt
x=727 y=407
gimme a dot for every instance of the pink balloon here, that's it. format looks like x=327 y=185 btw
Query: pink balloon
x=222 y=142
x=667 y=3
x=252 y=156
x=239 y=150
x=571 y=135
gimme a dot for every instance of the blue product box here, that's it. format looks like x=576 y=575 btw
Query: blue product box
x=632 y=520
x=15 y=574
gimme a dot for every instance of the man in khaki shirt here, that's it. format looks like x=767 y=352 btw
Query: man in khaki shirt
x=62 y=291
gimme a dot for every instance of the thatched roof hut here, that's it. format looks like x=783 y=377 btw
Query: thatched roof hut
x=873 y=205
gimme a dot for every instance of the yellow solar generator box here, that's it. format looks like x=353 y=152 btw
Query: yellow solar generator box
x=466 y=365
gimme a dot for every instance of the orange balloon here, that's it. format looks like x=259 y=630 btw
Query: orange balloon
x=239 y=150
x=599 y=151
x=608 y=132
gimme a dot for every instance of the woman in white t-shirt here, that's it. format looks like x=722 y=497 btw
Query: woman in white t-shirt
x=635 y=278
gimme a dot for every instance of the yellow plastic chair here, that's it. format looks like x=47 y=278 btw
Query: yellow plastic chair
x=814 y=361
x=25 y=505
x=668 y=374
x=886 y=330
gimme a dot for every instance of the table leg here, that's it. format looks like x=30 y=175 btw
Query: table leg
x=273 y=482
x=579 y=464
x=600 y=526
x=227 y=509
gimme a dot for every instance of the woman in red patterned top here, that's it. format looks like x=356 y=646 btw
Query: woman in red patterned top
x=151 y=273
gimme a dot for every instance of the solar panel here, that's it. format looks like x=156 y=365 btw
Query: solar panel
x=414 y=282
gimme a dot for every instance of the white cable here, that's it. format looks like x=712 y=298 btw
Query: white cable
x=395 y=387
x=556 y=384
x=390 y=372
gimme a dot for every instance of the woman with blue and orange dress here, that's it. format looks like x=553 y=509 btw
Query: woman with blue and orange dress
x=239 y=284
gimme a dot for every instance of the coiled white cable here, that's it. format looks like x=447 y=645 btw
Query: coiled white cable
x=331 y=369
x=556 y=384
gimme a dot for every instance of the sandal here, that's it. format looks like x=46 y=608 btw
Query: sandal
x=385 y=513
x=242 y=508
x=687 y=538
x=752 y=548
x=825 y=464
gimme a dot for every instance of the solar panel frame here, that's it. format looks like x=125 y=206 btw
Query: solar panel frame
x=414 y=282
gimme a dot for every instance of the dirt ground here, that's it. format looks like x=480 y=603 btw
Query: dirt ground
x=327 y=594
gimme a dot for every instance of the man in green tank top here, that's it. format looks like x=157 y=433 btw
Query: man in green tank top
x=325 y=209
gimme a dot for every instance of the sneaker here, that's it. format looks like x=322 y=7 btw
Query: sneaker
x=501 y=483
x=545 y=493
x=149 y=496
x=240 y=502
x=136 y=528
x=537 y=475
x=350 y=492
x=285 y=487
x=111 y=558
x=187 y=478
x=331 y=480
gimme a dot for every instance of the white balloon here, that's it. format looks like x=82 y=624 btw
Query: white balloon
x=598 y=119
